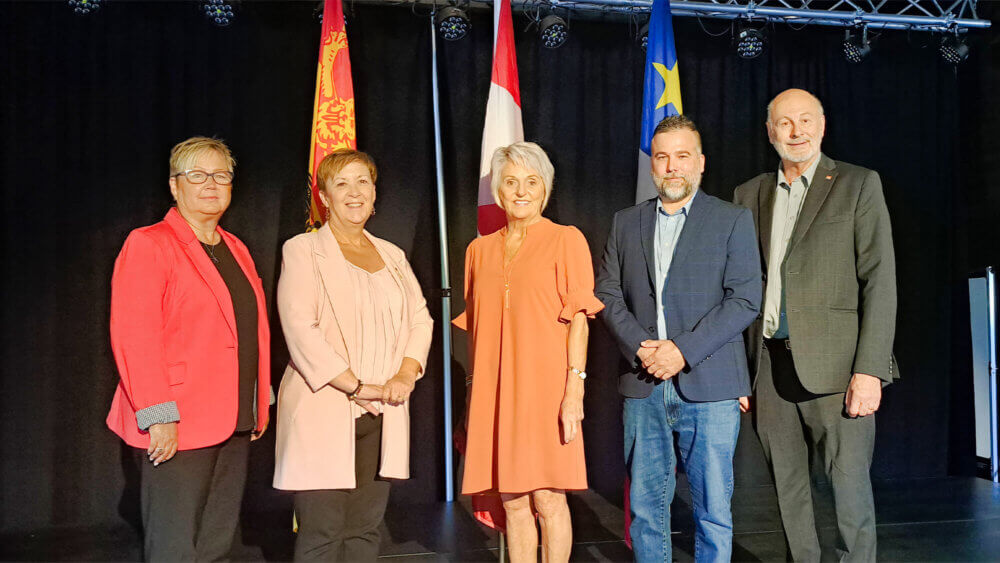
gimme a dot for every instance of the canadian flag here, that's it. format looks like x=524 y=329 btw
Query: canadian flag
x=503 y=113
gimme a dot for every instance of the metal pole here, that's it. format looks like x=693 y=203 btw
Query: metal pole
x=991 y=324
x=449 y=471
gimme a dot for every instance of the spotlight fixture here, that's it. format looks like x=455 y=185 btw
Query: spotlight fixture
x=749 y=41
x=953 y=49
x=856 y=45
x=452 y=23
x=84 y=7
x=553 y=30
x=219 y=12
x=643 y=36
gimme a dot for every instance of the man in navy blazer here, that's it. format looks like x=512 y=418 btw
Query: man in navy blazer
x=680 y=280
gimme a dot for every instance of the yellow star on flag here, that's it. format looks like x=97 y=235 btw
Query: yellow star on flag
x=671 y=86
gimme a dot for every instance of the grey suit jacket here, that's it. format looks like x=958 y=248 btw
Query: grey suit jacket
x=713 y=292
x=839 y=276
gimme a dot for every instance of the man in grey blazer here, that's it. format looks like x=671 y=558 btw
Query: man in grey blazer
x=822 y=350
x=680 y=280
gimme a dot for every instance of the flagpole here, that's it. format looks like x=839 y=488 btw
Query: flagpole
x=449 y=472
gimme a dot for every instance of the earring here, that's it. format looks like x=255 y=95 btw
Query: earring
x=373 y=211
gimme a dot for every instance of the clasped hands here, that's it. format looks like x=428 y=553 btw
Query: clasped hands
x=394 y=392
x=661 y=358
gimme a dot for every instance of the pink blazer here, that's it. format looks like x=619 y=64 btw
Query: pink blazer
x=173 y=334
x=315 y=427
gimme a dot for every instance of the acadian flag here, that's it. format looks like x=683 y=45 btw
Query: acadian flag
x=661 y=92
x=333 y=109
x=503 y=113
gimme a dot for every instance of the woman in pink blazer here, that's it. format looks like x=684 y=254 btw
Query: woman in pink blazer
x=358 y=333
x=190 y=337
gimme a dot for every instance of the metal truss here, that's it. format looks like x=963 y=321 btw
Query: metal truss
x=920 y=15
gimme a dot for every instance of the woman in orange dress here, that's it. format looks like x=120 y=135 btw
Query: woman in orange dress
x=529 y=290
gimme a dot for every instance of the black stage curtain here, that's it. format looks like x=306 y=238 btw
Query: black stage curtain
x=90 y=106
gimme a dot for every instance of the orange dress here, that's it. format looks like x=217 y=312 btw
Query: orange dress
x=518 y=323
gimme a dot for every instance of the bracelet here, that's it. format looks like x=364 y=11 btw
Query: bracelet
x=353 y=394
x=468 y=380
x=578 y=372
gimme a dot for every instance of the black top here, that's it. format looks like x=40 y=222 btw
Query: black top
x=245 y=308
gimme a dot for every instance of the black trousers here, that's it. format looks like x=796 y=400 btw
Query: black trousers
x=794 y=424
x=191 y=503
x=343 y=524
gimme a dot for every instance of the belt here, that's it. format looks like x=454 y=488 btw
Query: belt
x=778 y=342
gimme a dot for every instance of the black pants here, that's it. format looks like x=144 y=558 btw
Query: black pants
x=191 y=504
x=792 y=423
x=343 y=524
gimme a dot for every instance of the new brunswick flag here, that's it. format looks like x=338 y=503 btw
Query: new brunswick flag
x=333 y=109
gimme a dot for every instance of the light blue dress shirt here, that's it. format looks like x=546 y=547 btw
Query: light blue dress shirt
x=667 y=232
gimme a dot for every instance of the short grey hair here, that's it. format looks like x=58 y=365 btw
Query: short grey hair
x=770 y=105
x=526 y=155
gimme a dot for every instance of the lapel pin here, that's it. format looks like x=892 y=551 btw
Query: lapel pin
x=829 y=177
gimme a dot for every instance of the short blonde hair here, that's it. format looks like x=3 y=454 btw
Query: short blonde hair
x=333 y=163
x=526 y=155
x=185 y=153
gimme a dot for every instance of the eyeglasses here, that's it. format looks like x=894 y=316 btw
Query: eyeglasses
x=199 y=177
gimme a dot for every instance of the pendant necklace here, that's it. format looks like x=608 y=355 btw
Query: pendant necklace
x=210 y=249
x=508 y=266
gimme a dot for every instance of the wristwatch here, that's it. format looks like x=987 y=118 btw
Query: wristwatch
x=579 y=373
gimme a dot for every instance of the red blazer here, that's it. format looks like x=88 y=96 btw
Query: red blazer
x=173 y=334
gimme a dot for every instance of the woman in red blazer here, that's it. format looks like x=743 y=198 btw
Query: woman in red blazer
x=190 y=337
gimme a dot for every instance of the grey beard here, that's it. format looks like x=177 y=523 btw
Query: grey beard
x=673 y=195
x=785 y=155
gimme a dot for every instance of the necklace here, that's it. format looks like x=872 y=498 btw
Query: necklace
x=508 y=266
x=210 y=249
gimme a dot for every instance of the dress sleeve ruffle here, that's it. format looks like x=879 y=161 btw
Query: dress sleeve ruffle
x=580 y=301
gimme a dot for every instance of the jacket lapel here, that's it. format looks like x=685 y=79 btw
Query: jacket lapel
x=693 y=223
x=765 y=213
x=647 y=230
x=823 y=180
x=333 y=271
x=208 y=272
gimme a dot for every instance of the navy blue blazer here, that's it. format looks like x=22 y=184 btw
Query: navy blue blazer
x=713 y=292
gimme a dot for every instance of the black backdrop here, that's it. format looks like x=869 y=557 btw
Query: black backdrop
x=89 y=108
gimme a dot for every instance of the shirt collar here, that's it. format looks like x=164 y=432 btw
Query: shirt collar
x=686 y=210
x=806 y=177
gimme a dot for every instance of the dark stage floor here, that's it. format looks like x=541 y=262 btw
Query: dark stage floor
x=955 y=519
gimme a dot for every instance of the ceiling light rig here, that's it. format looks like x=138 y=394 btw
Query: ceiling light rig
x=554 y=31
x=856 y=44
x=953 y=49
x=643 y=37
x=85 y=7
x=750 y=42
x=453 y=23
x=220 y=12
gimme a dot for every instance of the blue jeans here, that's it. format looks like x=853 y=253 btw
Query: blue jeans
x=706 y=437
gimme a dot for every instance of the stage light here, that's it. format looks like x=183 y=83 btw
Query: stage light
x=856 y=45
x=452 y=23
x=84 y=7
x=953 y=49
x=553 y=30
x=749 y=41
x=219 y=12
x=643 y=36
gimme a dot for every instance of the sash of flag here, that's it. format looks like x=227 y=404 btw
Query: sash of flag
x=503 y=113
x=661 y=91
x=333 y=108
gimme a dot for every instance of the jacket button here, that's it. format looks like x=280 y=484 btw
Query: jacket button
x=652 y=329
x=764 y=277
